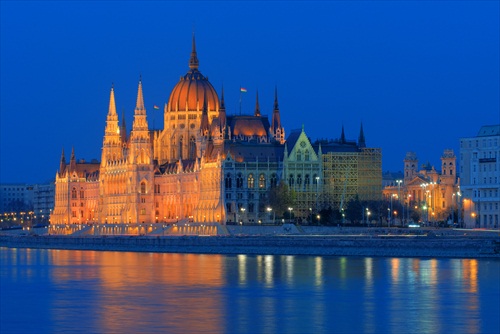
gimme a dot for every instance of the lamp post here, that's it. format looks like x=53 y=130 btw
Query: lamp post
x=399 y=197
x=269 y=209
x=290 y=210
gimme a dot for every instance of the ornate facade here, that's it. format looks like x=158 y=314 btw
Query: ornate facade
x=204 y=166
x=432 y=193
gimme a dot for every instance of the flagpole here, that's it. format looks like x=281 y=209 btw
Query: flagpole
x=240 y=100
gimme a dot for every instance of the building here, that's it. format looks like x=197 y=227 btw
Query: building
x=204 y=166
x=32 y=203
x=480 y=177
x=431 y=195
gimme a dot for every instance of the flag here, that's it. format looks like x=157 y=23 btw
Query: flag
x=243 y=90
x=156 y=107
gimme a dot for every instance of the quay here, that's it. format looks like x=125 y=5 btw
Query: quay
x=287 y=239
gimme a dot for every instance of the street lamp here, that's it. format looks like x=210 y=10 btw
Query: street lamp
x=290 y=210
x=269 y=209
x=242 y=213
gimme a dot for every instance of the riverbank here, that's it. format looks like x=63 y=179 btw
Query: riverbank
x=430 y=245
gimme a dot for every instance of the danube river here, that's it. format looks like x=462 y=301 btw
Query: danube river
x=68 y=291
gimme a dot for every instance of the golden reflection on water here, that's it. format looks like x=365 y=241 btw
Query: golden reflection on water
x=191 y=293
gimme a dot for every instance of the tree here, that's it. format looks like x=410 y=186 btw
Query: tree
x=281 y=198
x=354 y=210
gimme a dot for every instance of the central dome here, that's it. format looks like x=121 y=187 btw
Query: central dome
x=193 y=88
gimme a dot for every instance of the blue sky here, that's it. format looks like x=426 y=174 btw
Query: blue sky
x=419 y=74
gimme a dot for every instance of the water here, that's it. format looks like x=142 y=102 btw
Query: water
x=56 y=291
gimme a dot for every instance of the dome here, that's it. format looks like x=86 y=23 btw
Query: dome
x=192 y=89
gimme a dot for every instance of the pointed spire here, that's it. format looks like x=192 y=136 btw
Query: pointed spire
x=257 y=107
x=72 y=160
x=276 y=98
x=62 y=165
x=276 y=121
x=112 y=104
x=204 y=126
x=139 y=106
x=222 y=111
x=361 y=139
x=193 y=61
x=342 y=136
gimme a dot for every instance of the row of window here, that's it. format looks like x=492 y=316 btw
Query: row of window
x=228 y=181
x=486 y=179
x=485 y=193
x=307 y=180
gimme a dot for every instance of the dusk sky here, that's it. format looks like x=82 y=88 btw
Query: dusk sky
x=419 y=75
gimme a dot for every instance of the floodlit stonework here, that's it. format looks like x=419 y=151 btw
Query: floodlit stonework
x=204 y=166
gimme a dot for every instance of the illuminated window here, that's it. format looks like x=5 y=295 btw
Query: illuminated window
x=143 y=211
x=262 y=181
x=251 y=181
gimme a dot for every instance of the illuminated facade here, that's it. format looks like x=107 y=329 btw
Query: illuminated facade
x=204 y=166
x=480 y=178
x=432 y=193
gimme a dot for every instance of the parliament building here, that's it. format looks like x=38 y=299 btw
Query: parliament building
x=208 y=165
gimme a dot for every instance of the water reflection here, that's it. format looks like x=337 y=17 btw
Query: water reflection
x=188 y=293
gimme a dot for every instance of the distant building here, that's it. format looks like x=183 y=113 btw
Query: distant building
x=33 y=202
x=480 y=177
x=433 y=194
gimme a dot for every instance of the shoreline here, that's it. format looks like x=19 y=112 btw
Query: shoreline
x=314 y=245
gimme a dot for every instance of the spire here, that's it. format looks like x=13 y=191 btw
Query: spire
x=62 y=165
x=342 y=136
x=72 y=160
x=139 y=106
x=361 y=139
x=276 y=122
x=204 y=126
x=222 y=110
x=257 y=107
x=112 y=104
x=193 y=61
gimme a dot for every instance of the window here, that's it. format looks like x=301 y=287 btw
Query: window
x=251 y=181
x=274 y=181
x=290 y=181
x=73 y=193
x=299 y=156
x=143 y=187
x=143 y=211
x=239 y=181
x=228 y=207
x=306 y=155
x=262 y=181
x=82 y=193
x=228 y=181
x=299 y=179
x=228 y=196
x=315 y=179
x=250 y=207
x=192 y=148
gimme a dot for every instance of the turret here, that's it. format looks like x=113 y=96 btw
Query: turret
x=361 y=139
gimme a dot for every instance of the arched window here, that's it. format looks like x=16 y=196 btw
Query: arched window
x=143 y=187
x=315 y=179
x=239 y=181
x=306 y=155
x=73 y=193
x=192 y=147
x=82 y=193
x=299 y=179
x=291 y=181
x=228 y=181
x=274 y=180
x=180 y=147
x=307 y=180
x=251 y=181
x=299 y=156
x=262 y=181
